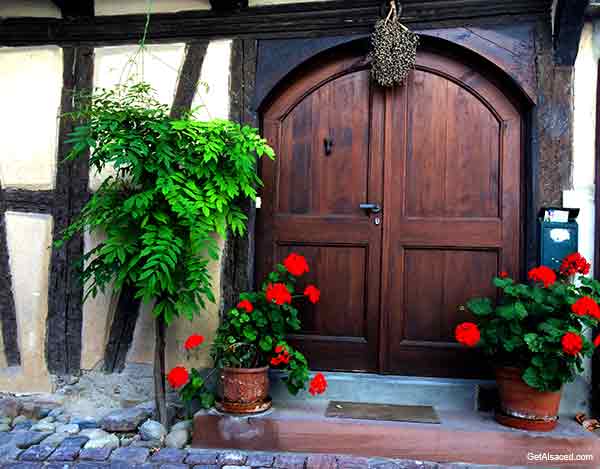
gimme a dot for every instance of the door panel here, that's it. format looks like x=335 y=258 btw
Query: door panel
x=311 y=206
x=442 y=155
x=452 y=169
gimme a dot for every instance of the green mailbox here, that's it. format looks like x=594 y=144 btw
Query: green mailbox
x=558 y=235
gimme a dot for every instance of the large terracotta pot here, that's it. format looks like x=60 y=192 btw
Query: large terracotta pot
x=522 y=406
x=245 y=390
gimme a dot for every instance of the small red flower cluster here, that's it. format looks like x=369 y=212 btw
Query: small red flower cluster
x=503 y=274
x=278 y=293
x=467 y=334
x=296 y=264
x=193 y=341
x=282 y=357
x=313 y=294
x=574 y=264
x=571 y=343
x=246 y=306
x=543 y=274
x=586 y=306
x=178 y=377
x=318 y=385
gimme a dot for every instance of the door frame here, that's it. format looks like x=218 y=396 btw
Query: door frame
x=490 y=72
x=239 y=260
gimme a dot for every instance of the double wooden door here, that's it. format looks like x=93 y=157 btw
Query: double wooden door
x=440 y=157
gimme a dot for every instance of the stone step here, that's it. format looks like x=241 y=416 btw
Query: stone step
x=462 y=436
x=441 y=393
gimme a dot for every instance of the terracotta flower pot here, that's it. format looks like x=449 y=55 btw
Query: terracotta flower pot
x=523 y=406
x=245 y=390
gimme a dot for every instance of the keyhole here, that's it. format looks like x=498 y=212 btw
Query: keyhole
x=328 y=142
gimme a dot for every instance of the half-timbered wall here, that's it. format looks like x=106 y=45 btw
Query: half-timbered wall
x=184 y=75
x=46 y=330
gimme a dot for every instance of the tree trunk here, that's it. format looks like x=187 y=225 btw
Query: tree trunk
x=160 y=395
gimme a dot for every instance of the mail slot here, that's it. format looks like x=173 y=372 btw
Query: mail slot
x=558 y=234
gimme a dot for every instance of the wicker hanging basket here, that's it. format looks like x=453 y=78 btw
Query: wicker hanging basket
x=394 y=49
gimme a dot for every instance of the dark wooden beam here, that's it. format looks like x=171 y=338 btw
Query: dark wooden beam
x=293 y=20
x=8 y=314
x=65 y=295
x=228 y=5
x=569 y=17
x=21 y=200
x=122 y=330
x=75 y=8
x=238 y=256
x=596 y=358
x=189 y=77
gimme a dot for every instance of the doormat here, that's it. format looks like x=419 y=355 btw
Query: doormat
x=389 y=412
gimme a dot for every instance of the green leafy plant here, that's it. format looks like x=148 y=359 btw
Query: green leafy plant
x=176 y=182
x=541 y=327
x=254 y=334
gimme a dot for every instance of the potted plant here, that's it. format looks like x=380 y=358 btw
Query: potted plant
x=251 y=339
x=537 y=337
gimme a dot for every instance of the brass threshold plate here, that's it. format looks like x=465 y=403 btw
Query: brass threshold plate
x=383 y=412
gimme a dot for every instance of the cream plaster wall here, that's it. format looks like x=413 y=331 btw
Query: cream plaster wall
x=29 y=8
x=29 y=238
x=212 y=95
x=581 y=195
x=159 y=65
x=129 y=7
x=98 y=313
x=30 y=93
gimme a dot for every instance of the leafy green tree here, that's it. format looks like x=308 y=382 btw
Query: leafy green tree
x=176 y=183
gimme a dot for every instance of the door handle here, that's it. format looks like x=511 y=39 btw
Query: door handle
x=373 y=208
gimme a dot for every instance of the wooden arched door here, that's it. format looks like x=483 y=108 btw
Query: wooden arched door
x=442 y=157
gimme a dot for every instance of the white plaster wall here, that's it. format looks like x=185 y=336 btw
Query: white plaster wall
x=212 y=95
x=581 y=194
x=30 y=93
x=130 y=7
x=158 y=65
x=29 y=238
x=29 y=8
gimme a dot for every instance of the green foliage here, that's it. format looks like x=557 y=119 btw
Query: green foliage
x=177 y=182
x=526 y=325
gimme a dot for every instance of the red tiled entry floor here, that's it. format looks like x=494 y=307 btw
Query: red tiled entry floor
x=461 y=437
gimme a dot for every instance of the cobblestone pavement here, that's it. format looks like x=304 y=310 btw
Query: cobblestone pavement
x=70 y=455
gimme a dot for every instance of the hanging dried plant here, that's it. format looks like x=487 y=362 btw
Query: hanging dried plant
x=394 y=50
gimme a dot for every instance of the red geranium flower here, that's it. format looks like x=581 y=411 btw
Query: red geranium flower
x=318 y=385
x=178 y=377
x=467 y=334
x=282 y=357
x=597 y=341
x=575 y=264
x=543 y=274
x=193 y=341
x=278 y=293
x=295 y=264
x=586 y=306
x=246 y=306
x=313 y=293
x=503 y=274
x=572 y=343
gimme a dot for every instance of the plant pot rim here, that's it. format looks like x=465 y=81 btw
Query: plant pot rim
x=246 y=370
